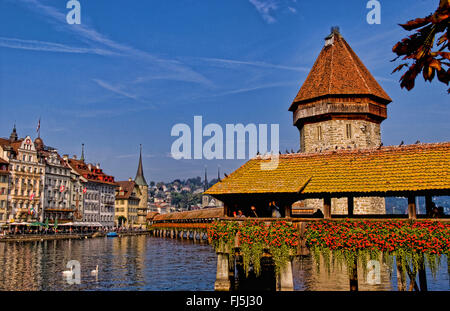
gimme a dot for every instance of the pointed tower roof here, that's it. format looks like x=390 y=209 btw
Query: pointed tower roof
x=82 y=152
x=13 y=137
x=140 y=179
x=338 y=71
x=205 y=186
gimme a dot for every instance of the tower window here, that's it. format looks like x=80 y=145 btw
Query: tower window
x=349 y=130
x=319 y=133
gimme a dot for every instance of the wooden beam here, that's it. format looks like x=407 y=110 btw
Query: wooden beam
x=401 y=280
x=351 y=205
x=353 y=276
x=428 y=204
x=287 y=210
x=226 y=210
x=412 y=214
x=327 y=207
x=422 y=275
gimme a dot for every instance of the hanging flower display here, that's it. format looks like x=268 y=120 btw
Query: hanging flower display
x=279 y=239
x=410 y=242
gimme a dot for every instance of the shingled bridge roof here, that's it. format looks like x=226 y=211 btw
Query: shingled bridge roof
x=391 y=169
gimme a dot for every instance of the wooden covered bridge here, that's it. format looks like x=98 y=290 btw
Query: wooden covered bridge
x=405 y=171
x=191 y=225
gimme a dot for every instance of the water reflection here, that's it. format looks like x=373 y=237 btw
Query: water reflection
x=149 y=263
x=126 y=263
x=308 y=278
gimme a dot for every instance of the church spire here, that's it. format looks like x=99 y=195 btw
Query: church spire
x=205 y=186
x=82 y=152
x=13 y=137
x=140 y=179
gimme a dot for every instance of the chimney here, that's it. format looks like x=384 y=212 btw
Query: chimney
x=98 y=166
x=90 y=166
x=130 y=179
x=66 y=157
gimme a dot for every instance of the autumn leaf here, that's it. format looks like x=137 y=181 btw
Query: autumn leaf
x=418 y=48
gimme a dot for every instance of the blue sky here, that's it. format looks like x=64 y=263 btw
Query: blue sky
x=133 y=69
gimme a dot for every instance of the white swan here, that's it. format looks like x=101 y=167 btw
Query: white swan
x=95 y=272
x=68 y=272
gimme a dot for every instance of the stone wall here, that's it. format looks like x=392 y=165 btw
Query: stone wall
x=328 y=135
x=362 y=206
x=337 y=135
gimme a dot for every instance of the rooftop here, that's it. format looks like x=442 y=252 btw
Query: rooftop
x=391 y=169
x=94 y=174
x=338 y=71
x=127 y=187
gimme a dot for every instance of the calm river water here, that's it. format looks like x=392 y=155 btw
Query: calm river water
x=150 y=263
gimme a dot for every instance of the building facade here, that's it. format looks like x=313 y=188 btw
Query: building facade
x=36 y=184
x=57 y=185
x=141 y=192
x=76 y=192
x=26 y=175
x=98 y=192
x=127 y=204
x=340 y=106
x=4 y=189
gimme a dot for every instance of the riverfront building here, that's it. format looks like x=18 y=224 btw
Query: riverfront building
x=37 y=184
x=4 y=188
x=142 y=192
x=99 y=192
x=57 y=188
x=76 y=192
x=127 y=203
x=26 y=174
x=132 y=204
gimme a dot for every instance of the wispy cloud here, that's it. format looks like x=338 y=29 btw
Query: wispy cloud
x=91 y=36
x=35 y=45
x=115 y=89
x=267 y=8
x=255 y=88
x=255 y=64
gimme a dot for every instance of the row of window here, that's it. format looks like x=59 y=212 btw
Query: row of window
x=24 y=158
x=27 y=169
x=57 y=171
x=122 y=209
x=26 y=206
x=95 y=218
x=130 y=202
